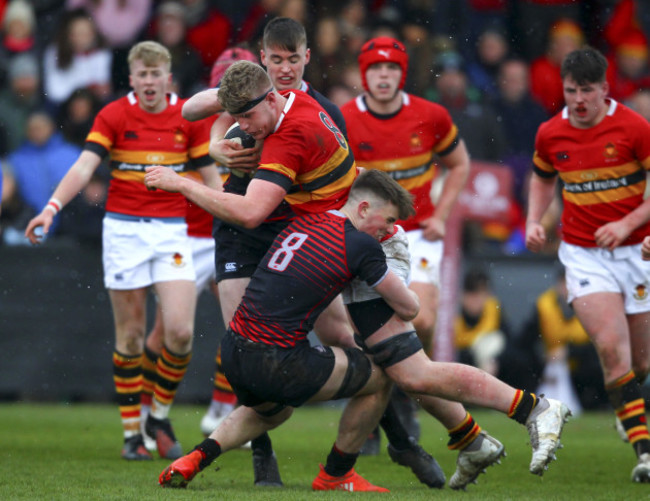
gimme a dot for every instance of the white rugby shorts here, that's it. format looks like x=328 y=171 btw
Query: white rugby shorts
x=203 y=257
x=426 y=257
x=139 y=252
x=592 y=269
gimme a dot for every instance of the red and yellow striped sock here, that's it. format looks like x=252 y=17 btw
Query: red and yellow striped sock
x=170 y=370
x=522 y=405
x=222 y=391
x=627 y=399
x=464 y=434
x=127 y=376
x=149 y=363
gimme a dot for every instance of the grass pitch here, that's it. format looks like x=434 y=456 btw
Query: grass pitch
x=69 y=452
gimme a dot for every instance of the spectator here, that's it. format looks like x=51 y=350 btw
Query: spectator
x=480 y=331
x=329 y=56
x=492 y=48
x=76 y=116
x=20 y=98
x=15 y=213
x=534 y=19
x=41 y=161
x=252 y=27
x=520 y=116
x=209 y=31
x=120 y=23
x=170 y=29
x=76 y=59
x=18 y=28
x=628 y=66
x=476 y=120
x=416 y=33
x=17 y=34
x=546 y=83
x=640 y=102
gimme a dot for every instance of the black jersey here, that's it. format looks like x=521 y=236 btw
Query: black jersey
x=308 y=265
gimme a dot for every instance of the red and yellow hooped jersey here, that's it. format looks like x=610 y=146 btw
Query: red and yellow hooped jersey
x=403 y=145
x=308 y=156
x=603 y=169
x=134 y=139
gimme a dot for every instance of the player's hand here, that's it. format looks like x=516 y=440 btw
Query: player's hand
x=159 y=176
x=535 y=236
x=433 y=229
x=611 y=235
x=44 y=221
x=233 y=155
x=645 y=249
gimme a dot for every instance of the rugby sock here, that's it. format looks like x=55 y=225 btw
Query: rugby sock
x=149 y=362
x=127 y=376
x=262 y=446
x=627 y=399
x=339 y=462
x=461 y=436
x=222 y=392
x=522 y=405
x=210 y=450
x=395 y=431
x=170 y=371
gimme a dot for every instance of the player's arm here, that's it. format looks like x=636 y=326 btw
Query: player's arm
x=210 y=176
x=72 y=183
x=230 y=153
x=611 y=235
x=541 y=192
x=201 y=105
x=458 y=164
x=399 y=297
x=249 y=211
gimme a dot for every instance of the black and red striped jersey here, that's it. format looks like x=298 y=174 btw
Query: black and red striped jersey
x=308 y=265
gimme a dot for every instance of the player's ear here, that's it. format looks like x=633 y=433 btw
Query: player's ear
x=307 y=55
x=363 y=208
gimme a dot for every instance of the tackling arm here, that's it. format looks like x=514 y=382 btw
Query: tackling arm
x=201 y=105
x=249 y=211
x=401 y=299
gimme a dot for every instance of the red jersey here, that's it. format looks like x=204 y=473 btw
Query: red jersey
x=308 y=156
x=602 y=168
x=135 y=139
x=403 y=145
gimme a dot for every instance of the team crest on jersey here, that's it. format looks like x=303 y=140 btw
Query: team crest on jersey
x=177 y=260
x=640 y=292
x=179 y=136
x=416 y=142
x=424 y=263
x=610 y=151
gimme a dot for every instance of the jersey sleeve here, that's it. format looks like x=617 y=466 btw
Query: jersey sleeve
x=101 y=137
x=280 y=160
x=542 y=162
x=641 y=143
x=445 y=130
x=366 y=259
x=200 y=142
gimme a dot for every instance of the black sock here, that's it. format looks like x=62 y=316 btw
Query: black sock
x=211 y=450
x=339 y=462
x=397 y=435
x=262 y=445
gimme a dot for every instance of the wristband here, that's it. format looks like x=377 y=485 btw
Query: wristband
x=54 y=205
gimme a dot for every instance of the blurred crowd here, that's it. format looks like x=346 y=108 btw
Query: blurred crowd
x=494 y=64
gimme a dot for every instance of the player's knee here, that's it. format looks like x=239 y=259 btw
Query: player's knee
x=179 y=338
x=394 y=349
x=425 y=324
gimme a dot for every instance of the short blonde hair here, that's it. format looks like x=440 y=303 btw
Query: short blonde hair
x=151 y=54
x=242 y=84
